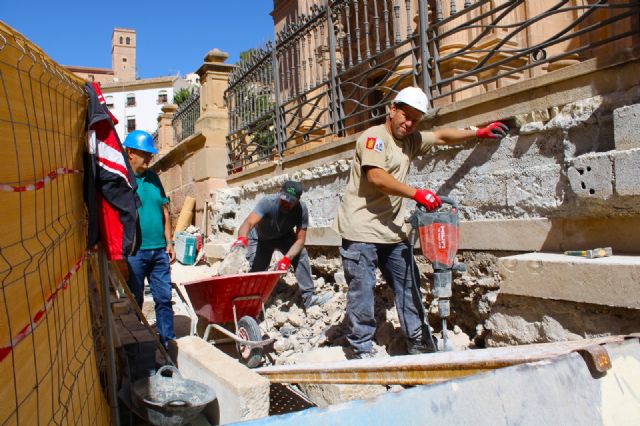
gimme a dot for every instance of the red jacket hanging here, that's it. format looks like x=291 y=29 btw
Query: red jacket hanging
x=109 y=183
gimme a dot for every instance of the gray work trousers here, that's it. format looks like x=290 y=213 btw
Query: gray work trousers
x=360 y=261
x=259 y=255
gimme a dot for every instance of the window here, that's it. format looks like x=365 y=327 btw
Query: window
x=128 y=40
x=124 y=59
x=120 y=40
x=109 y=101
x=131 y=100
x=131 y=124
x=162 y=97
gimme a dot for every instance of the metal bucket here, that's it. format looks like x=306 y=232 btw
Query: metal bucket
x=168 y=399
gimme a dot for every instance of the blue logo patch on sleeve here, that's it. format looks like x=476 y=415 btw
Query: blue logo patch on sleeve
x=379 y=146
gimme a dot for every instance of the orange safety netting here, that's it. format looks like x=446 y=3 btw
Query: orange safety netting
x=48 y=359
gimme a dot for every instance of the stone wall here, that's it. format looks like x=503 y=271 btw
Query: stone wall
x=564 y=165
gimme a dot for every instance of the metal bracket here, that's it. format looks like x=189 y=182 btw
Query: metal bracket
x=597 y=359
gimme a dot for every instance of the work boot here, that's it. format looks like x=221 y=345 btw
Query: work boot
x=352 y=354
x=420 y=346
x=317 y=300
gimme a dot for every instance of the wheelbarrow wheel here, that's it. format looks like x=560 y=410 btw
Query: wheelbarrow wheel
x=248 y=330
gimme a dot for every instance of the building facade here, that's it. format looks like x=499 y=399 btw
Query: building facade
x=136 y=104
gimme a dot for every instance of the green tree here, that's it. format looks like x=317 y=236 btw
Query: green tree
x=181 y=95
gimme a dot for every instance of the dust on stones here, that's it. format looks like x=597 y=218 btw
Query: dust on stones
x=326 y=326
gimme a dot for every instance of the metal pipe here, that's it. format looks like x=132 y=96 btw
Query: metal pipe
x=436 y=367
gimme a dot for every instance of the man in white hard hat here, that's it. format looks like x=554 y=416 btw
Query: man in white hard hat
x=370 y=218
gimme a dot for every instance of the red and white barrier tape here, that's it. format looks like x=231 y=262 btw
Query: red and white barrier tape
x=28 y=329
x=39 y=184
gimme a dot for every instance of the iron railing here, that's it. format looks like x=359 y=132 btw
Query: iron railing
x=334 y=70
x=185 y=117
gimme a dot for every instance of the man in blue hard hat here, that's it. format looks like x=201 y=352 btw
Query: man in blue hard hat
x=156 y=251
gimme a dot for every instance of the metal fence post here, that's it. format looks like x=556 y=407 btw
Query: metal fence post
x=278 y=131
x=424 y=50
x=112 y=381
x=336 y=115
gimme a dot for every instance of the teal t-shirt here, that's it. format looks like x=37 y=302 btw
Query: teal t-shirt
x=152 y=196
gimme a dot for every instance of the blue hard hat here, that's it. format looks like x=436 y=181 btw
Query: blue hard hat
x=140 y=140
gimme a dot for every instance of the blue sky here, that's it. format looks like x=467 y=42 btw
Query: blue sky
x=173 y=36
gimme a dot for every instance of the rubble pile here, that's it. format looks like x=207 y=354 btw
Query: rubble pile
x=298 y=332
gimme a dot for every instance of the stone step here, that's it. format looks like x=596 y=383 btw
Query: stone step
x=610 y=281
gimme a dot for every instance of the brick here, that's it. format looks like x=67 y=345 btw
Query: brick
x=591 y=176
x=626 y=122
x=626 y=165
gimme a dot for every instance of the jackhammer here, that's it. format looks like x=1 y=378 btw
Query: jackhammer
x=438 y=232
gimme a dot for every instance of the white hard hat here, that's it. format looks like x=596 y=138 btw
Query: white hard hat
x=414 y=97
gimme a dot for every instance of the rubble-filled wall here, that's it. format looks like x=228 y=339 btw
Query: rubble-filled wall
x=563 y=165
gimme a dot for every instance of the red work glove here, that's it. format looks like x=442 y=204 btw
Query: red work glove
x=427 y=198
x=283 y=265
x=495 y=130
x=240 y=242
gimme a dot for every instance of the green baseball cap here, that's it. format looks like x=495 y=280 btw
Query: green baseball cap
x=291 y=191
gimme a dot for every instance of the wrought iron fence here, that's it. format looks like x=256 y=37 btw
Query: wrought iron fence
x=185 y=117
x=334 y=70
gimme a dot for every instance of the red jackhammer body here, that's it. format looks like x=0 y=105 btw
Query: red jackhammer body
x=439 y=233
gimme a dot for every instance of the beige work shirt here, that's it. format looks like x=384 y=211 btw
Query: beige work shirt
x=366 y=214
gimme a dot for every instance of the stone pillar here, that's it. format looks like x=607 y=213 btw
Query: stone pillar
x=541 y=30
x=213 y=122
x=165 y=129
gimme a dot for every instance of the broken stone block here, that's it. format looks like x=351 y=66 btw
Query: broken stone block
x=328 y=394
x=235 y=263
x=625 y=127
x=339 y=278
x=591 y=176
x=295 y=319
x=626 y=172
x=216 y=250
x=314 y=312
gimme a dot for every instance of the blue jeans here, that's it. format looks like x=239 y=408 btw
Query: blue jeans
x=259 y=255
x=154 y=266
x=360 y=261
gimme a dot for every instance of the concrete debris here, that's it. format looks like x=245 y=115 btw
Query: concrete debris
x=325 y=327
x=235 y=262
x=505 y=328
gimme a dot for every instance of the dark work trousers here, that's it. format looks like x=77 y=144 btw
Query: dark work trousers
x=360 y=261
x=260 y=252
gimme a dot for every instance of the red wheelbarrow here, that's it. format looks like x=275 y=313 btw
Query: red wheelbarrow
x=226 y=298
